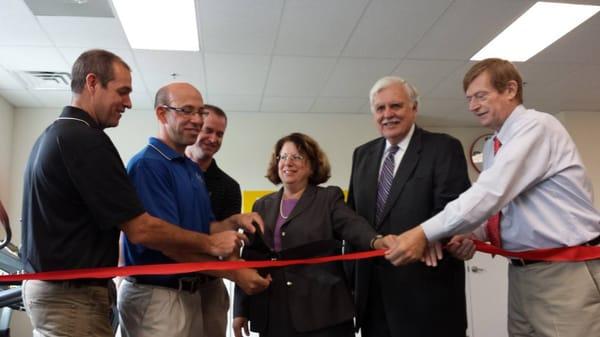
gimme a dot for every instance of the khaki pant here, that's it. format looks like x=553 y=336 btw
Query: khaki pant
x=63 y=310
x=554 y=299
x=147 y=310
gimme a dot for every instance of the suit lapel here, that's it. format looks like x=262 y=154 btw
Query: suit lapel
x=371 y=174
x=303 y=203
x=405 y=170
x=271 y=212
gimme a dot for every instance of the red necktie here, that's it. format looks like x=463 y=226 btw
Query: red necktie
x=493 y=223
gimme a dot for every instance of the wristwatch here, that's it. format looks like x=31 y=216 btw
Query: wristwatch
x=372 y=244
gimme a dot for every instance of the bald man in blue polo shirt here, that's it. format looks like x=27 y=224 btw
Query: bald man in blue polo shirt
x=172 y=188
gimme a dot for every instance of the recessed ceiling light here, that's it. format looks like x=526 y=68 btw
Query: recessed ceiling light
x=159 y=24
x=539 y=27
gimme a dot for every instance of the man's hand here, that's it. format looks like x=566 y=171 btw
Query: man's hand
x=433 y=254
x=385 y=242
x=250 y=281
x=237 y=221
x=461 y=247
x=240 y=323
x=408 y=247
x=226 y=243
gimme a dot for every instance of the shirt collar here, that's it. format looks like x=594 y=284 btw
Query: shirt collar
x=164 y=149
x=403 y=143
x=74 y=112
x=508 y=127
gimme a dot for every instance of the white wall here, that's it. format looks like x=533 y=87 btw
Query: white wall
x=583 y=127
x=6 y=132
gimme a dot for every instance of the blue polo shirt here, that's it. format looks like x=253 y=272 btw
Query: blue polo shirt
x=171 y=187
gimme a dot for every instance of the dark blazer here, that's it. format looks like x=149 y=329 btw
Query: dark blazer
x=317 y=296
x=418 y=300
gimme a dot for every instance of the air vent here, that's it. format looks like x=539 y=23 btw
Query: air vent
x=46 y=80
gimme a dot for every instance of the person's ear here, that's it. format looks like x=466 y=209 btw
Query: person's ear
x=161 y=114
x=91 y=82
x=511 y=89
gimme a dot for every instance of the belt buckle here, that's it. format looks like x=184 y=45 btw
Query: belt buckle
x=190 y=284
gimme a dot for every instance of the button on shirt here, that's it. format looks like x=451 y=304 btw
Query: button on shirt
x=171 y=188
x=538 y=181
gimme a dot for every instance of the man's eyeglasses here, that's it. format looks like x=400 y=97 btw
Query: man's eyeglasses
x=293 y=157
x=188 y=111
x=480 y=96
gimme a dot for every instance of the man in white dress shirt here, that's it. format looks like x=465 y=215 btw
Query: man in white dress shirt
x=537 y=184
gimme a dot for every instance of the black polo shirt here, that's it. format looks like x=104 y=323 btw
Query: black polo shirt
x=225 y=195
x=76 y=195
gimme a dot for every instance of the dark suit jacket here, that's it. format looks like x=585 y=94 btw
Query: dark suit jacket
x=317 y=296
x=418 y=300
x=225 y=194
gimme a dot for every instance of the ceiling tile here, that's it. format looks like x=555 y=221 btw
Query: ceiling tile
x=451 y=86
x=231 y=103
x=426 y=74
x=18 y=27
x=298 y=76
x=578 y=46
x=286 y=104
x=236 y=74
x=317 y=27
x=466 y=27
x=235 y=26
x=84 y=32
x=157 y=68
x=337 y=104
x=9 y=81
x=21 y=98
x=354 y=77
x=390 y=28
x=32 y=58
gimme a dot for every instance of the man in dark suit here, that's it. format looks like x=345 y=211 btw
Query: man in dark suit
x=397 y=182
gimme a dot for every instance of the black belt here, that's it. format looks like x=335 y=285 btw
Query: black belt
x=190 y=284
x=523 y=262
x=83 y=283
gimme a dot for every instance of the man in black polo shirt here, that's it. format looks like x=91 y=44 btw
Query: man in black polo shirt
x=226 y=200
x=76 y=199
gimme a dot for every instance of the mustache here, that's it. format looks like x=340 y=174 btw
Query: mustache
x=393 y=119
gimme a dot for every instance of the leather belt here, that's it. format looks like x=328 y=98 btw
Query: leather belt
x=79 y=283
x=523 y=262
x=190 y=284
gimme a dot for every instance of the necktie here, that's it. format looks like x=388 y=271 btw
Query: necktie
x=385 y=181
x=493 y=223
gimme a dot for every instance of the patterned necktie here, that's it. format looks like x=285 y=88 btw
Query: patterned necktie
x=493 y=223
x=385 y=181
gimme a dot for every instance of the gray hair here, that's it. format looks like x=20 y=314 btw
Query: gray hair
x=388 y=81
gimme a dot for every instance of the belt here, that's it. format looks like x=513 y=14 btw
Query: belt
x=523 y=262
x=190 y=284
x=79 y=283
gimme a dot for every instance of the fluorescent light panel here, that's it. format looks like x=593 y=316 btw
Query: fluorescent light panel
x=539 y=27
x=159 y=24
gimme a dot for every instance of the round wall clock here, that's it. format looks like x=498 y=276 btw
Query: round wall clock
x=476 y=151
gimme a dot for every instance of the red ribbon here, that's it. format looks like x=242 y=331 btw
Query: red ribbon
x=178 y=268
x=578 y=253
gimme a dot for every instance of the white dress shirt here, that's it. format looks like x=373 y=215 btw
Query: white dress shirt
x=401 y=150
x=539 y=182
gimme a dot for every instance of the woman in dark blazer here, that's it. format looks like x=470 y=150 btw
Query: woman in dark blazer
x=303 y=300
